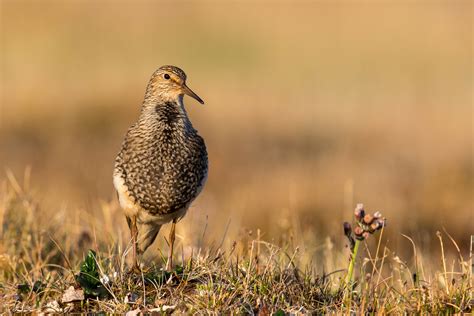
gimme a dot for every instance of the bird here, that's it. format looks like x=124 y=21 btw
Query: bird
x=162 y=164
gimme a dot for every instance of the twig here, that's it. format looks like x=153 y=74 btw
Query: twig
x=443 y=261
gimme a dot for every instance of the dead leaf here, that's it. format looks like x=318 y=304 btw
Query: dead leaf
x=72 y=294
x=133 y=312
x=163 y=308
x=52 y=307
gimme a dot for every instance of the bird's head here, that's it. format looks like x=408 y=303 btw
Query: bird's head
x=168 y=83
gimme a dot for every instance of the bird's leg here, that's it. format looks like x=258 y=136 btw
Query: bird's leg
x=134 y=234
x=169 y=264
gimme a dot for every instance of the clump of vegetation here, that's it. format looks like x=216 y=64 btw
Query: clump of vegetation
x=367 y=224
x=88 y=278
x=40 y=273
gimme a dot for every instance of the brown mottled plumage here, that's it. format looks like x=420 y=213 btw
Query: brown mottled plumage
x=162 y=165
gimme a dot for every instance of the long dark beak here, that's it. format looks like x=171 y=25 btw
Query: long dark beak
x=190 y=92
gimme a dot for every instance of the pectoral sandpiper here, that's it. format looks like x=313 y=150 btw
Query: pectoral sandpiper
x=162 y=165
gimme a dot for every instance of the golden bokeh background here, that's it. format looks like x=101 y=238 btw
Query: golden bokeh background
x=310 y=108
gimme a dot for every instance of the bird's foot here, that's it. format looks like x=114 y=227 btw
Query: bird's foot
x=134 y=270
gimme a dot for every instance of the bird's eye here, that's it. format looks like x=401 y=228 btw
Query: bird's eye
x=166 y=76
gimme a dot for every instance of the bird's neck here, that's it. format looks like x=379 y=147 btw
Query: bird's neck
x=170 y=112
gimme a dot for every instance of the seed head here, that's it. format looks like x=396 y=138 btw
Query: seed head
x=359 y=211
x=382 y=222
x=368 y=219
x=375 y=225
x=347 y=229
x=358 y=231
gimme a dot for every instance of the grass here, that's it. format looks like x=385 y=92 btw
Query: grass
x=42 y=266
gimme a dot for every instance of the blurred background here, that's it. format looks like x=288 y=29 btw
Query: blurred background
x=310 y=108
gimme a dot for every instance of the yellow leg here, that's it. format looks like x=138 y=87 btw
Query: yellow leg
x=134 y=234
x=169 y=264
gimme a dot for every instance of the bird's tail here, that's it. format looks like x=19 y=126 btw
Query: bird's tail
x=146 y=236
